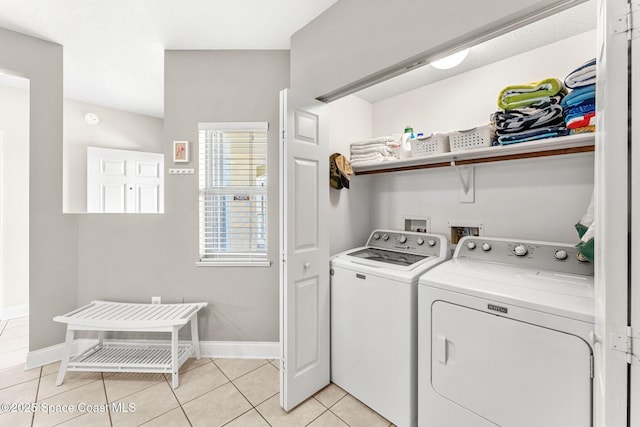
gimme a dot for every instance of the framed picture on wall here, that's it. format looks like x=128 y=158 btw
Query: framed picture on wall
x=180 y=151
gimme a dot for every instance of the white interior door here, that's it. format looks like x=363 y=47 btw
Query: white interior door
x=634 y=398
x=614 y=251
x=123 y=181
x=304 y=245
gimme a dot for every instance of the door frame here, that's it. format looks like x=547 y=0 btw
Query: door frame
x=612 y=204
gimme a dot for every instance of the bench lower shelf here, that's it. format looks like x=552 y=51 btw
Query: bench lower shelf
x=134 y=357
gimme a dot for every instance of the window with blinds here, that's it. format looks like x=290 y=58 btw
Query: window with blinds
x=233 y=192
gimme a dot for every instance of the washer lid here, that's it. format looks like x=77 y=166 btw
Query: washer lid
x=399 y=273
x=562 y=294
x=387 y=257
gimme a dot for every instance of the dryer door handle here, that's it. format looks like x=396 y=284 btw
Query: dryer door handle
x=441 y=349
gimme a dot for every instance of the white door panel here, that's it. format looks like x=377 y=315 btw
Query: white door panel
x=113 y=197
x=147 y=198
x=147 y=170
x=304 y=244
x=123 y=181
x=110 y=167
x=306 y=204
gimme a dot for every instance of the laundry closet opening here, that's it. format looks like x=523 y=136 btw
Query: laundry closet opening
x=529 y=198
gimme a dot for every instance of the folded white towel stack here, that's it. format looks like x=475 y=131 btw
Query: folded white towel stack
x=373 y=150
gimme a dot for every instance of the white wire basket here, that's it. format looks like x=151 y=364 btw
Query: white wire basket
x=435 y=143
x=470 y=138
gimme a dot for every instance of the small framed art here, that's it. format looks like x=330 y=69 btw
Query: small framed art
x=180 y=151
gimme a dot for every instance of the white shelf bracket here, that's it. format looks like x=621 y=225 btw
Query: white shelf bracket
x=467 y=180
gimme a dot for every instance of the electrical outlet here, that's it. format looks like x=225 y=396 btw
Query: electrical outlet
x=156 y=300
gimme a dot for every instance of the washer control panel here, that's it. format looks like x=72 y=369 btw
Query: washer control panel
x=409 y=241
x=559 y=257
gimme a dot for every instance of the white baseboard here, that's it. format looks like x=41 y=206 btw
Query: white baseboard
x=8 y=313
x=212 y=349
x=240 y=349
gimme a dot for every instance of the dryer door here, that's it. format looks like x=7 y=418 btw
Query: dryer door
x=511 y=373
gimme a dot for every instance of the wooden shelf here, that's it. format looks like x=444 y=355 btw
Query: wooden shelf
x=571 y=144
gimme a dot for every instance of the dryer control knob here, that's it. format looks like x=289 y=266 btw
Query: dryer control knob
x=486 y=247
x=581 y=257
x=376 y=236
x=471 y=245
x=431 y=242
x=420 y=241
x=520 y=250
x=561 y=254
x=385 y=236
x=402 y=238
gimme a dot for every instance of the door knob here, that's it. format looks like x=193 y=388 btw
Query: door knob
x=307 y=265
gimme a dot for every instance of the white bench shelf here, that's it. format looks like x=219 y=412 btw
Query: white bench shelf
x=104 y=316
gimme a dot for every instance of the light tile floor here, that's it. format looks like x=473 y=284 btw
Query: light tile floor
x=14 y=341
x=212 y=392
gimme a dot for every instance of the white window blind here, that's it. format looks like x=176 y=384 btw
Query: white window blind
x=233 y=192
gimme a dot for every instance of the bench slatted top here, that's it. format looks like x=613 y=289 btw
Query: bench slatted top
x=104 y=314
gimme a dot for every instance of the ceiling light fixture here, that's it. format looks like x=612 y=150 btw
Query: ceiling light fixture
x=451 y=60
x=92 y=118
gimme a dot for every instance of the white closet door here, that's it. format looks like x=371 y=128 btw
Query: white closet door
x=304 y=245
x=123 y=181
x=635 y=224
x=614 y=263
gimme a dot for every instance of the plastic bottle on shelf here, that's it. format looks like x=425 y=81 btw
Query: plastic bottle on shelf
x=405 y=146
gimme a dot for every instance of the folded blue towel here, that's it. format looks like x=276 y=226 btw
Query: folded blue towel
x=579 y=95
x=533 y=135
x=585 y=106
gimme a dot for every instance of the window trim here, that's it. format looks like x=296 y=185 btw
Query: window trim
x=230 y=261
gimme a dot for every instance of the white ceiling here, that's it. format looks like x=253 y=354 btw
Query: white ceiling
x=114 y=49
x=562 y=25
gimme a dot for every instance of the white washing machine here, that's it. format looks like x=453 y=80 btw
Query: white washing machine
x=374 y=315
x=505 y=337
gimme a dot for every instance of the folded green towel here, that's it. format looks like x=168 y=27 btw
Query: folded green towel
x=517 y=96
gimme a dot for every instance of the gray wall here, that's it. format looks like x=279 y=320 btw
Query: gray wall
x=354 y=39
x=134 y=257
x=53 y=236
x=350 y=120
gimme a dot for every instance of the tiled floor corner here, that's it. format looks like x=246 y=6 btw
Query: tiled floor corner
x=212 y=392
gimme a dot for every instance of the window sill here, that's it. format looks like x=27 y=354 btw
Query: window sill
x=233 y=264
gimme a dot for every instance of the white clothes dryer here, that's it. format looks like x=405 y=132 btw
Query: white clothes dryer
x=374 y=315
x=506 y=336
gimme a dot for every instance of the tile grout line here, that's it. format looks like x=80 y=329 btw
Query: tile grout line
x=106 y=398
x=336 y=402
x=177 y=399
x=319 y=415
x=166 y=380
x=33 y=416
x=242 y=394
x=200 y=395
x=248 y=372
